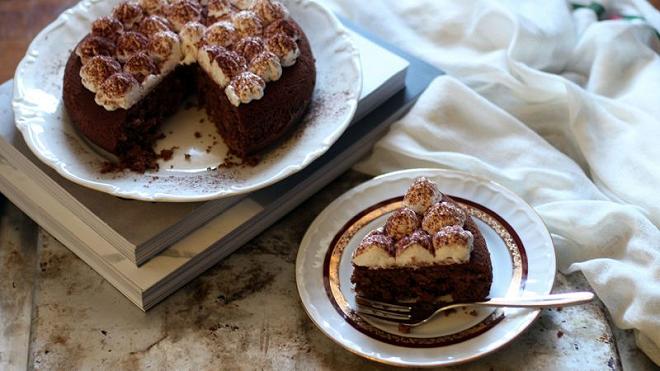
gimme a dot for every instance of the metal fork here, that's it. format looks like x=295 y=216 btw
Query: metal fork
x=410 y=317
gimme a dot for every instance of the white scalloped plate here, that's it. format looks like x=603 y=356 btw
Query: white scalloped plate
x=520 y=248
x=41 y=118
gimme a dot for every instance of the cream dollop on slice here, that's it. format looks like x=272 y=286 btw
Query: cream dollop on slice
x=221 y=33
x=284 y=47
x=191 y=36
x=267 y=66
x=218 y=8
x=128 y=13
x=165 y=48
x=121 y=90
x=376 y=250
x=415 y=250
x=421 y=195
x=270 y=10
x=245 y=88
x=97 y=70
x=92 y=46
x=401 y=223
x=442 y=214
x=453 y=245
x=129 y=43
x=181 y=12
x=107 y=27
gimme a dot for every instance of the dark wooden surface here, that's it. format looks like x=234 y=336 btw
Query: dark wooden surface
x=21 y=20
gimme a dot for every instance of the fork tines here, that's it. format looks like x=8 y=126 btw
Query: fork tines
x=383 y=310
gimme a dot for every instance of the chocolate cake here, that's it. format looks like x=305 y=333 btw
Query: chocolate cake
x=429 y=251
x=248 y=61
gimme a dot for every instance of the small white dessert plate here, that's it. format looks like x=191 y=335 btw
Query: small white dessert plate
x=192 y=174
x=520 y=248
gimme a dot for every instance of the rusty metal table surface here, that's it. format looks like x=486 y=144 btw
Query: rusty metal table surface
x=244 y=313
x=57 y=313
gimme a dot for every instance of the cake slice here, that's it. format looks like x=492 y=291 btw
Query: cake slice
x=428 y=251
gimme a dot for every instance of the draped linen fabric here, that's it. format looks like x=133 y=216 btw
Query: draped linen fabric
x=558 y=106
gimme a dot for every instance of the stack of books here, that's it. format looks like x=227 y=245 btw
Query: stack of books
x=175 y=242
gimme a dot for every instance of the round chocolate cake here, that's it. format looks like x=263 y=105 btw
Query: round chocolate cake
x=248 y=61
x=429 y=251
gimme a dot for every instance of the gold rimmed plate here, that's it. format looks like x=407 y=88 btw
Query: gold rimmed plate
x=520 y=248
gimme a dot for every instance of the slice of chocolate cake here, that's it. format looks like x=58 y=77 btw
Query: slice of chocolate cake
x=429 y=251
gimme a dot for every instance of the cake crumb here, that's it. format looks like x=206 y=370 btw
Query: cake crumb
x=187 y=156
x=108 y=167
x=449 y=312
x=229 y=162
x=403 y=328
x=166 y=154
x=473 y=313
x=233 y=161
x=198 y=134
x=560 y=334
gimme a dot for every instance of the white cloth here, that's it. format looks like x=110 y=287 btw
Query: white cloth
x=560 y=108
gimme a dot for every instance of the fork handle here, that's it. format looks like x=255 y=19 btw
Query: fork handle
x=545 y=301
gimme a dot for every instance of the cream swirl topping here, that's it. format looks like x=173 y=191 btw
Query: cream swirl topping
x=165 y=48
x=218 y=8
x=242 y=4
x=267 y=66
x=284 y=47
x=97 y=70
x=129 y=14
x=92 y=46
x=245 y=88
x=130 y=43
x=191 y=35
x=403 y=244
x=181 y=12
x=107 y=27
x=247 y=23
x=120 y=90
x=249 y=41
x=270 y=10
